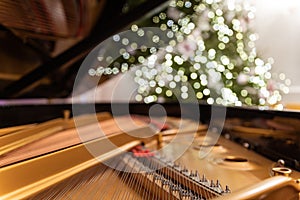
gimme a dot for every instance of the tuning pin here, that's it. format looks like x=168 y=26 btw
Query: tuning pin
x=212 y=185
x=185 y=195
x=200 y=197
x=175 y=190
x=178 y=187
x=197 y=198
x=218 y=187
x=177 y=166
x=204 y=181
x=165 y=182
x=158 y=181
x=185 y=171
x=191 y=195
x=195 y=176
x=182 y=193
x=227 y=190
x=170 y=185
x=203 y=178
x=174 y=187
x=192 y=174
x=157 y=177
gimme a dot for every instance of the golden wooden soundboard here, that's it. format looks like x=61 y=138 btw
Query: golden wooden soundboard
x=50 y=161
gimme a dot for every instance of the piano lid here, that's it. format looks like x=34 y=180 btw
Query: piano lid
x=43 y=43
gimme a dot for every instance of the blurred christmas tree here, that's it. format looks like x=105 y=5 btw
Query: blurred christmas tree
x=210 y=54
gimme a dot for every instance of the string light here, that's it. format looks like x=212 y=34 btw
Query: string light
x=210 y=46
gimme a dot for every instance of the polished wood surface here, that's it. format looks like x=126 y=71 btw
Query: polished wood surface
x=61 y=165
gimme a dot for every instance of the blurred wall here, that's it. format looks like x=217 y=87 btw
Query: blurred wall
x=277 y=23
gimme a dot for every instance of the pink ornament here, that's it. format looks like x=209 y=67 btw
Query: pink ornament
x=187 y=48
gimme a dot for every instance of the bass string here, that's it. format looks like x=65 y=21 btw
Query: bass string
x=97 y=184
x=131 y=177
x=70 y=186
x=93 y=182
x=139 y=179
x=93 y=185
x=164 y=178
x=153 y=168
x=143 y=173
x=115 y=185
x=143 y=179
x=111 y=180
x=127 y=169
x=86 y=189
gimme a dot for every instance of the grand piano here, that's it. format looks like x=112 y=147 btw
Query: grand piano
x=53 y=148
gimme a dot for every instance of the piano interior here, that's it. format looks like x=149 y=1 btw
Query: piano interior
x=53 y=149
x=50 y=160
